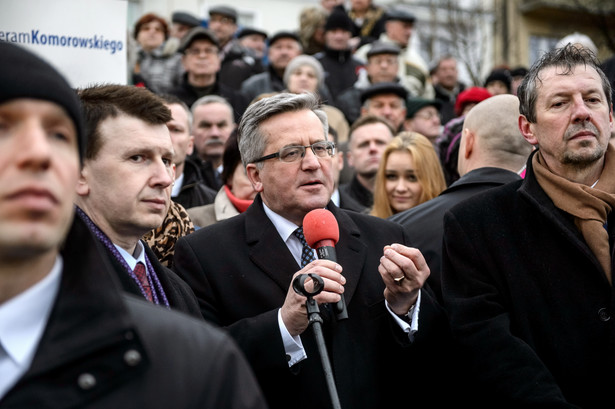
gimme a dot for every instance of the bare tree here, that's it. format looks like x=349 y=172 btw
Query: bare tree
x=460 y=28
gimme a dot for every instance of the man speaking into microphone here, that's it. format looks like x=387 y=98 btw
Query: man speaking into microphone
x=392 y=346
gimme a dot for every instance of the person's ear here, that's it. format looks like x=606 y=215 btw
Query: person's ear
x=253 y=174
x=527 y=130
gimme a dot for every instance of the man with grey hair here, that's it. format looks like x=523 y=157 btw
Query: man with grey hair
x=255 y=256
x=492 y=153
x=213 y=123
x=527 y=267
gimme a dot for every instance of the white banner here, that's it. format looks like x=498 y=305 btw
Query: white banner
x=85 y=40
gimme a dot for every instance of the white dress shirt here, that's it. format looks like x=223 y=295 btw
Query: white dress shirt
x=23 y=319
x=293 y=345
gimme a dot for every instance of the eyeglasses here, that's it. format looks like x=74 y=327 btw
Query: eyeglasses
x=198 y=51
x=427 y=115
x=293 y=153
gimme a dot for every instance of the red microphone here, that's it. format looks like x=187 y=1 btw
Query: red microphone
x=322 y=233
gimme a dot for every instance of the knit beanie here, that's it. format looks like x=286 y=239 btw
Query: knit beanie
x=470 y=95
x=302 y=60
x=339 y=19
x=25 y=75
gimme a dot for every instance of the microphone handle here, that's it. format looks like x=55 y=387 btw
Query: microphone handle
x=328 y=253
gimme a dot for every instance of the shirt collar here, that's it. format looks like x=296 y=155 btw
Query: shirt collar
x=24 y=317
x=133 y=259
x=177 y=186
x=284 y=226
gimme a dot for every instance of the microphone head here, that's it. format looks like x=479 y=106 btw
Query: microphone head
x=318 y=225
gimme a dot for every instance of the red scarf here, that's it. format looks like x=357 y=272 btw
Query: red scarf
x=240 y=204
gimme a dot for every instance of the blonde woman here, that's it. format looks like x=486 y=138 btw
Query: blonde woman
x=409 y=174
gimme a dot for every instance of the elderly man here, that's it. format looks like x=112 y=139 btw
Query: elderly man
x=527 y=267
x=386 y=100
x=423 y=116
x=68 y=335
x=413 y=70
x=447 y=85
x=382 y=64
x=254 y=257
x=124 y=188
x=238 y=63
x=201 y=61
x=283 y=47
x=212 y=125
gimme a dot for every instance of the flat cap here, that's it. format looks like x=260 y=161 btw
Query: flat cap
x=400 y=13
x=384 y=88
x=383 y=47
x=284 y=34
x=198 y=33
x=248 y=31
x=415 y=104
x=224 y=11
x=181 y=17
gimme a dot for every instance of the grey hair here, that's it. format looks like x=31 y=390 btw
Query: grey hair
x=212 y=99
x=252 y=142
x=567 y=58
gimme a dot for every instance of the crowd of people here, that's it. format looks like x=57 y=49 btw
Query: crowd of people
x=152 y=243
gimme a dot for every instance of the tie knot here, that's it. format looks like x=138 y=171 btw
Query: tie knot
x=299 y=234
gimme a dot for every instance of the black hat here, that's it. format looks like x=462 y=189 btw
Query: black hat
x=384 y=88
x=197 y=33
x=187 y=19
x=519 y=72
x=248 y=31
x=284 y=34
x=400 y=13
x=23 y=74
x=502 y=75
x=225 y=11
x=339 y=19
x=382 y=47
x=415 y=104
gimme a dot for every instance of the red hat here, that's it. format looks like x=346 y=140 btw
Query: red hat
x=471 y=95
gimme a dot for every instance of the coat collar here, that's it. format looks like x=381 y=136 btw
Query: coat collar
x=270 y=254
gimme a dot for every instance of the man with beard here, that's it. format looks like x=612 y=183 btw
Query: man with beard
x=527 y=267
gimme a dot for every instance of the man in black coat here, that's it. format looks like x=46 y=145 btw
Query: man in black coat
x=125 y=187
x=189 y=188
x=201 y=61
x=241 y=270
x=492 y=153
x=69 y=336
x=527 y=267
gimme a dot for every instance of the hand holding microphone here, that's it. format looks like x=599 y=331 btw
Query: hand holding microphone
x=322 y=234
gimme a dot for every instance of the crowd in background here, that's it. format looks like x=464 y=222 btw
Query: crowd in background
x=473 y=222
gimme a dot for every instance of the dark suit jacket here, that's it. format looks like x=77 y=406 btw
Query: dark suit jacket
x=135 y=354
x=241 y=271
x=180 y=295
x=424 y=223
x=528 y=301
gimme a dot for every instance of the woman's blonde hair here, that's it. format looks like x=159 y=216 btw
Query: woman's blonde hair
x=426 y=167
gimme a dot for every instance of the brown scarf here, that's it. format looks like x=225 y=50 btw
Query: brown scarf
x=589 y=206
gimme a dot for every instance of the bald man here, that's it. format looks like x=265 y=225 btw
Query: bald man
x=492 y=152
